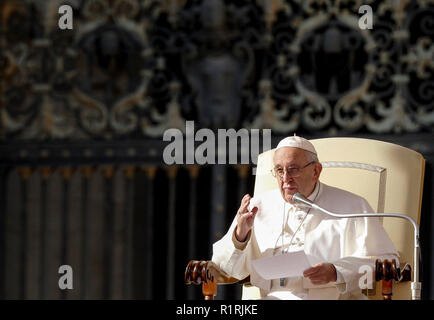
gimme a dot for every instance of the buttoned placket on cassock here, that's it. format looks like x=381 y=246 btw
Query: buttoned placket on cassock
x=294 y=230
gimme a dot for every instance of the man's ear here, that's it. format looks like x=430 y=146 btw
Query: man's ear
x=317 y=170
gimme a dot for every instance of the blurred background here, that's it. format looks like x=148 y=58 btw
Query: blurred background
x=83 y=113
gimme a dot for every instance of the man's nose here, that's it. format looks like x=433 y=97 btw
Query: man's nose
x=286 y=177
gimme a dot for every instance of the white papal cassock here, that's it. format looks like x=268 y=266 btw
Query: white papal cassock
x=348 y=244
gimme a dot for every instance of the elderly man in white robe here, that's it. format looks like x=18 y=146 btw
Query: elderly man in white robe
x=272 y=224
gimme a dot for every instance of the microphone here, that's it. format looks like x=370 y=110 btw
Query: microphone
x=416 y=286
x=301 y=199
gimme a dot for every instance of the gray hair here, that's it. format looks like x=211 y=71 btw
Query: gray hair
x=311 y=156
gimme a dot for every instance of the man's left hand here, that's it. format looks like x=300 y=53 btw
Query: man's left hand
x=321 y=273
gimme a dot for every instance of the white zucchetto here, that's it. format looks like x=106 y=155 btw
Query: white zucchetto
x=296 y=142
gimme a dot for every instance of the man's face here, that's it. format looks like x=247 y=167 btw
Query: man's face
x=288 y=157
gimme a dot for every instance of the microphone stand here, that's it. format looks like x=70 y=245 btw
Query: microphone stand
x=416 y=286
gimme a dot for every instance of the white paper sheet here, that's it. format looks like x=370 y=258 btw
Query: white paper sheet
x=290 y=264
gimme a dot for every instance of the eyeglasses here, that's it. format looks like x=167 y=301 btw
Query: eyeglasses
x=293 y=172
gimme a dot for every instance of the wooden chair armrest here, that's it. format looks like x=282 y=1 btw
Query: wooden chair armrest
x=387 y=272
x=209 y=275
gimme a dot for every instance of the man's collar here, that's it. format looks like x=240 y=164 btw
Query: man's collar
x=315 y=191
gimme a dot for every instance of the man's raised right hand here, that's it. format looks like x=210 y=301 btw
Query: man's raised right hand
x=245 y=219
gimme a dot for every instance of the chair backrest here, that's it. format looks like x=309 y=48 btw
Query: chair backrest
x=388 y=176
